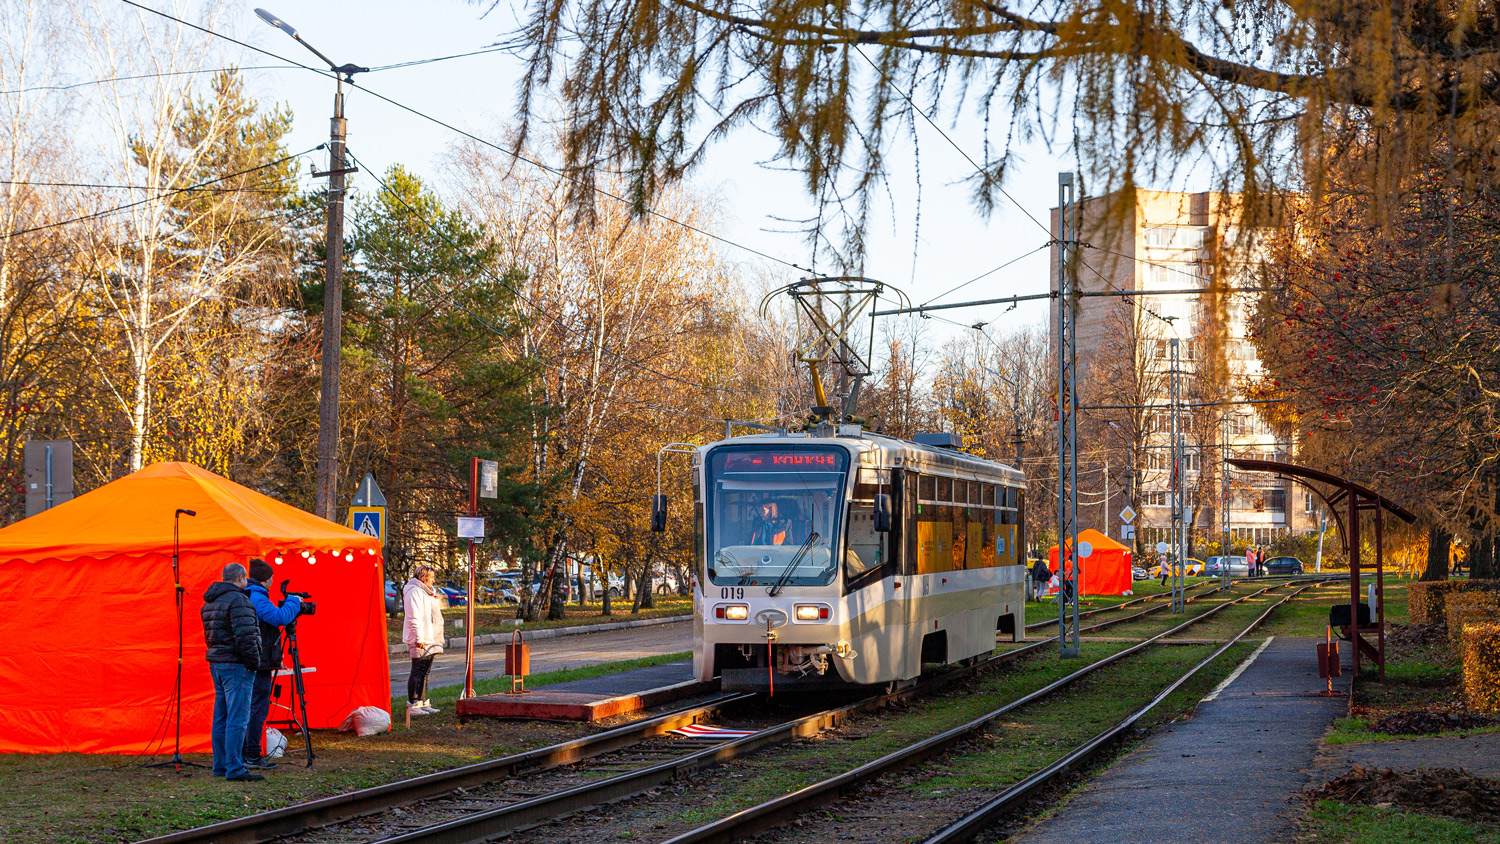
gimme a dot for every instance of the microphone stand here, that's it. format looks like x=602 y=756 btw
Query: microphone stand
x=177 y=762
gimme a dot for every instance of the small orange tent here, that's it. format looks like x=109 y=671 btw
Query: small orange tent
x=1107 y=570
x=90 y=624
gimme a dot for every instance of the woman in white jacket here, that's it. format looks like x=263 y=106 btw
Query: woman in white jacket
x=422 y=632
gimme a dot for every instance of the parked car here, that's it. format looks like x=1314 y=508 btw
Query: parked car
x=456 y=597
x=498 y=592
x=1192 y=567
x=1284 y=565
x=1237 y=566
x=392 y=598
x=1138 y=573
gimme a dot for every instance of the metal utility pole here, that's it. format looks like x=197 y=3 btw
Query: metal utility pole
x=326 y=502
x=1106 y=498
x=1179 y=525
x=333 y=317
x=1067 y=421
x=1224 y=508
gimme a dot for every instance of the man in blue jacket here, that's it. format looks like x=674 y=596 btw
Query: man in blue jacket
x=272 y=618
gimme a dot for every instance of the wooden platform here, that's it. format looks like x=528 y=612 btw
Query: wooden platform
x=593 y=699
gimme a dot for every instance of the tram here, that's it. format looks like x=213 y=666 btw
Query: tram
x=829 y=561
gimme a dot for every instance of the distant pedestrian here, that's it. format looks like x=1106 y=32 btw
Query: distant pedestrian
x=1164 y=571
x=1040 y=577
x=232 y=635
x=422 y=631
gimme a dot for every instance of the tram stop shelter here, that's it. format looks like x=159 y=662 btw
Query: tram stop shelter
x=1354 y=500
x=90 y=620
x=1107 y=568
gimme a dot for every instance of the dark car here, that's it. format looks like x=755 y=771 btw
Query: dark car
x=392 y=599
x=1283 y=565
x=456 y=597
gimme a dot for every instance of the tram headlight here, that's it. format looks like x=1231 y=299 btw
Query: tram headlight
x=735 y=612
x=810 y=612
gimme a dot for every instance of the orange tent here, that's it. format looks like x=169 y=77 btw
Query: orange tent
x=1107 y=570
x=90 y=624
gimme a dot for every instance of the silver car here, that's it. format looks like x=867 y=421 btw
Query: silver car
x=1237 y=566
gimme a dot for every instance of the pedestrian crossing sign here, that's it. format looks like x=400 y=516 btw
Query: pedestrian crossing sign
x=369 y=521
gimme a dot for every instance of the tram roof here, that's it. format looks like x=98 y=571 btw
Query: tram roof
x=892 y=451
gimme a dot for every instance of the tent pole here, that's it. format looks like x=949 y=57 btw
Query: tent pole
x=177 y=762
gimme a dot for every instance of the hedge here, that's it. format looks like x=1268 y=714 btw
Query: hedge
x=1469 y=608
x=1426 y=602
x=1481 y=644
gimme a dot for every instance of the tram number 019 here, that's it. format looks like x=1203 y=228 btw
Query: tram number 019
x=735 y=592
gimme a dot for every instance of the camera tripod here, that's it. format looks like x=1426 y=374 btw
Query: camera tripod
x=298 y=703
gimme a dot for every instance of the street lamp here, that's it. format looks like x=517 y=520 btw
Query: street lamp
x=333 y=282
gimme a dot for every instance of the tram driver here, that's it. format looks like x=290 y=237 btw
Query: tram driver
x=769 y=529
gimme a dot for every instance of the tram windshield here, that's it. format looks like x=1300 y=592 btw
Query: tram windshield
x=773 y=515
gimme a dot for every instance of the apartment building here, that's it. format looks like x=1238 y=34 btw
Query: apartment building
x=1167 y=247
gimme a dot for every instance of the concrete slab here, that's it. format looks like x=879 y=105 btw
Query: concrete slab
x=1225 y=775
x=594 y=698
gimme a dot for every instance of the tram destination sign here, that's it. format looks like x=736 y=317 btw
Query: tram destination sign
x=776 y=461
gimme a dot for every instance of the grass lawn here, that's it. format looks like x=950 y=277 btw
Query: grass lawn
x=1307 y=615
x=1330 y=822
x=1417 y=676
x=74 y=797
x=500 y=618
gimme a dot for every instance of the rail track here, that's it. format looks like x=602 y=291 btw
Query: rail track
x=488 y=799
x=773 y=813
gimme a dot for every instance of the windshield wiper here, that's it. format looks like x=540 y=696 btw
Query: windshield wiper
x=792 y=566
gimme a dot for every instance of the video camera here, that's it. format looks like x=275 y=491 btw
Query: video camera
x=307 y=607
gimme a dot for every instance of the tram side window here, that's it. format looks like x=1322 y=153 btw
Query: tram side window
x=960 y=519
x=865 y=549
x=944 y=489
x=927 y=485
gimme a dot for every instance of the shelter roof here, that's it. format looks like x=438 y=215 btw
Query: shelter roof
x=1294 y=471
x=133 y=516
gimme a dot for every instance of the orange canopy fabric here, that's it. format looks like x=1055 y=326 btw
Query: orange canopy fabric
x=1107 y=570
x=87 y=609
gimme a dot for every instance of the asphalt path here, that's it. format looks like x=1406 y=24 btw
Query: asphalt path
x=1227 y=775
x=553 y=654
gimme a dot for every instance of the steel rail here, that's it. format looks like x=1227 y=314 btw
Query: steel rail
x=771 y=813
x=965 y=829
x=302 y=817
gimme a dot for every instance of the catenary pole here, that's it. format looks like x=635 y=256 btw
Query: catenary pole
x=1179 y=522
x=1071 y=581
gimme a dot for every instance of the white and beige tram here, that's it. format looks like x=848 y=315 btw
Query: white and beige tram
x=828 y=561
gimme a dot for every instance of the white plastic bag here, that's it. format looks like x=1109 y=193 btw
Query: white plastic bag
x=366 y=721
x=275 y=743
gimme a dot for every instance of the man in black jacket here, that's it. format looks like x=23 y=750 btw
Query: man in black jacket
x=232 y=633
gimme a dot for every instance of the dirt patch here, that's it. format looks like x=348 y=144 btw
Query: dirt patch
x=1418 y=635
x=1438 y=791
x=1422 y=722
